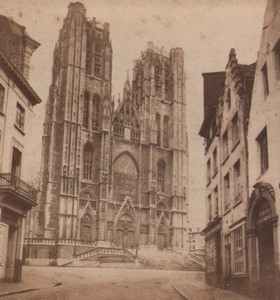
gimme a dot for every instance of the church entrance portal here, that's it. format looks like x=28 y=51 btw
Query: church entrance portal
x=125 y=233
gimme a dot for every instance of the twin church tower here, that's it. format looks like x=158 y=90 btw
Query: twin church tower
x=112 y=173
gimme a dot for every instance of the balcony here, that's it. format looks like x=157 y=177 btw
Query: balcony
x=11 y=184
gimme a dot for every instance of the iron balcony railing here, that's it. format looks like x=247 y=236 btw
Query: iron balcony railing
x=7 y=180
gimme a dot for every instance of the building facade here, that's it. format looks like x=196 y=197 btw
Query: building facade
x=17 y=99
x=264 y=206
x=226 y=139
x=110 y=174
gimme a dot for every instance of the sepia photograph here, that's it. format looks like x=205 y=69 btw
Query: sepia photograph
x=139 y=154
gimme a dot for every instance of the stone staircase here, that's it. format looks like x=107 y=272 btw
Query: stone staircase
x=100 y=255
x=167 y=260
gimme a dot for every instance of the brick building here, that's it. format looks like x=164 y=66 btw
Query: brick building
x=17 y=99
x=110 y=173
x=227 y=101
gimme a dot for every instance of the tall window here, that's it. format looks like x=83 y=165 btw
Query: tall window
x=237 y=182
x=86 y=110
x=235 y=129
x=16 y=162
x=238 y=250
x=208 y=171
x=158 y=128
x=227 y=192
x=216 y=199
x=215 y=162
x=2 y=97
x=166 y=81
x=20 y=114
x=263 y=150
x=88 y=161
x=157 y=81
x=95 y=112
x=209 y=207
x=125 y=179
x=97 y=61
x=161 y=176
x=225 y=144
x=165 y=132
x=88 y=52
x=265 y=80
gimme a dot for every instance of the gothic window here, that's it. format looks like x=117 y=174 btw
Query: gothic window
x=86 y=226
x=95 y=112
x=86 y=110
x=161 y=176
x=97 y=61
x=165 y=132
x=125 y=179
x=88 y=161
x=88 y=52
x=2 y=97
x=157 y=81
x=84 y=198
x=166 y=81
x=158 y=129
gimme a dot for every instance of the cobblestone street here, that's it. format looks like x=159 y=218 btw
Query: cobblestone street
x=106 y=283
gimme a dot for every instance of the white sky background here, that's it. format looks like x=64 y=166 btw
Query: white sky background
x=205 y=29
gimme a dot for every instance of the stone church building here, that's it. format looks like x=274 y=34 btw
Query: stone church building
x=112 y=173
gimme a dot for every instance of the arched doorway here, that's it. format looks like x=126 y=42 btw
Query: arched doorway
x=125 y=232
x=162 y=234
x=262 y=242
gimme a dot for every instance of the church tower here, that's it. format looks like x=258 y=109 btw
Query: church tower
x=76 y=131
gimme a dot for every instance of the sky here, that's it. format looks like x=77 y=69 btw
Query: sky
x=205 y=29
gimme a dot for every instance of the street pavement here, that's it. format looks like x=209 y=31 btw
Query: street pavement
x=71 y=283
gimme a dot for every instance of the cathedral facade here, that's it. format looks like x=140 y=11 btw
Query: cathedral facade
x=112 y=172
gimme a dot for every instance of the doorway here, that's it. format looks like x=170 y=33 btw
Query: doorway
x=266 y=262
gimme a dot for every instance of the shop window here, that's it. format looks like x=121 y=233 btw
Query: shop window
x=238 y=250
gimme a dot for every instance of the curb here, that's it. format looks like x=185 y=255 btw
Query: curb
x=18 y=292
x=179 y=292
x=29 y=290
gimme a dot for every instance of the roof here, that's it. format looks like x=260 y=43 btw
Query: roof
x=213 y=90
x=20 y=81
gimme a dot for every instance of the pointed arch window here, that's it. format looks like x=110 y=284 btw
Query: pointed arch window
x=95 y=112
x=158 y=129
x=97 y=61
x=161 y=176
x=157 y=81
x=86 y=109
x=165 y=132
x=125 y=179
x=88 y=161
